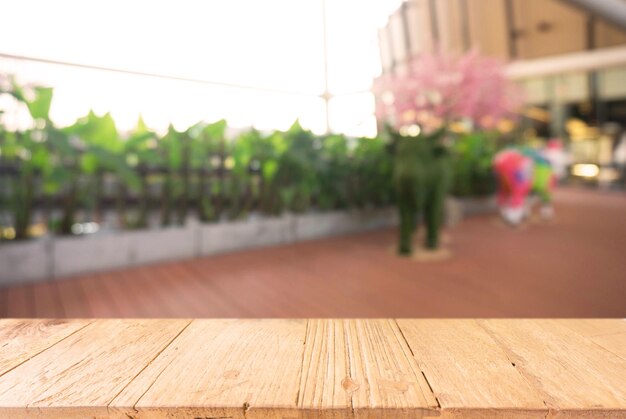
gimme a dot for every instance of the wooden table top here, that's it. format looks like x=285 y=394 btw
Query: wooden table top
x=380 y=368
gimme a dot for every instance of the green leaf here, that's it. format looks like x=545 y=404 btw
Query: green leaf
x=57 y=177
x=40 y=158
x=269 y=169
x=39 y=108
x=216 y=130
x=60 y=143
x=173 y=147
x=17 y=91
x=89 y=163
x=141 y=127
x=138 y=141
x=97 y=131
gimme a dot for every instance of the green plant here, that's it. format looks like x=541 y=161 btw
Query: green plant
x=205 y=159
x=172 y=155
x=253 y=157
x=141 y=155
x=421 y=176
x=334 y=172
x=199 y=169
x=28 y=151
x=295 y=180
x=472 y=160
x=372 y=173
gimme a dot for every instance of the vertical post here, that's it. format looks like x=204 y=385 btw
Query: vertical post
x=380 y=50
x=434 y=21
x=594 y=97
x=405 y=29
x=392 y=53
x=511 y=30
x=326 y=96
x=467 y=41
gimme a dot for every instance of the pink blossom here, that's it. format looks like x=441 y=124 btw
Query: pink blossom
x=447 y=87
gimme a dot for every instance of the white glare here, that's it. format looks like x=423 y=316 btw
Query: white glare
x=273 y=44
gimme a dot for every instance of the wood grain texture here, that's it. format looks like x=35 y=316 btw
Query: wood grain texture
x=222 y=368
x=607 y=333
x=380 y=358
x=82 y=374
x=595 y=327
x=363 y=369
x=305 y=369
x=469 y=373
x=615 y=343
x=574 y=376
x=22 y=339
x=326 y=384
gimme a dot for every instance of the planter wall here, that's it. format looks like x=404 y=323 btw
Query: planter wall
x=57 y=257
x=459 y=208
x=25 y=261
x=228 y=237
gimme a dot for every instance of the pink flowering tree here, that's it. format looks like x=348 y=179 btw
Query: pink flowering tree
x=434 y=91
x=439 y=88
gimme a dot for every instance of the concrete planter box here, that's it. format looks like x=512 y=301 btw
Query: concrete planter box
x=25 y=261
x=55 y=257
x=477 y=206
x=149 y=246
x=341 y=222
x=73 y=255
x=239 y=235
x=65 y=256
x=459 y=208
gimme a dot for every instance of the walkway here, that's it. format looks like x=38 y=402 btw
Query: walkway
x=572 y=267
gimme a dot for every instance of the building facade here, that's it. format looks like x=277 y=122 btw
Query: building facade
x=569 y=57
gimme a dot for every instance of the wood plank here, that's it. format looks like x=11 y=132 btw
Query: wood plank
x=80 y=375
x=595 y=327
x=20 y=340
x=20 y=302
x=380 y=356
x=607 y=333
x=231 y=280
x=615 y=343
x=326 y=383
x=129 y=298
x=3 y=302
x=146 y=302
x=468 y=372
x=574 y=376
x=47 y=301
x=491 y=38
x=150 y=280
x=567 y=33
x=362 y=369
x=97 y=296
x=221 y=368
x=287 y=369
x=180 y=283
x=152 y=291
x=213 y=302
x=73 y=299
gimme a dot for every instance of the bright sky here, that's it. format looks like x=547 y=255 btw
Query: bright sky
x=273 y=44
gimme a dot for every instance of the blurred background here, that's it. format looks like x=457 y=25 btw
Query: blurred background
x=225 y=159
